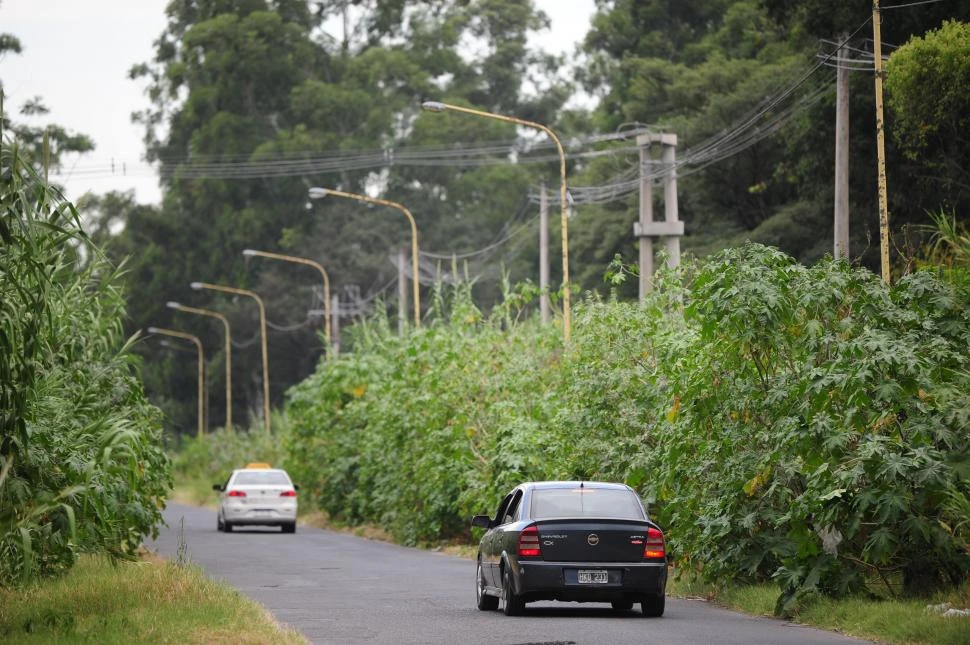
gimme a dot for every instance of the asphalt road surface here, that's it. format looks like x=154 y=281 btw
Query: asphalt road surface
x=337 y=588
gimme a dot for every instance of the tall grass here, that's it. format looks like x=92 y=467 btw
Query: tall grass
x=81 y=462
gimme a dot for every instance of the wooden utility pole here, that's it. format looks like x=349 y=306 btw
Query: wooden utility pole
x=645 y=229
x=840 y=249
x=881 y=143
x=544 y=254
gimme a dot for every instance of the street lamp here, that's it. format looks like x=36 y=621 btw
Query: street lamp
x=198 y=347
x=225 y=323
x=326 y=280
x=319 y=193
x=437 y=106
x=262 y=334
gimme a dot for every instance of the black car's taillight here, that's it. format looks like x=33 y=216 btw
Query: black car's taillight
x=529 y=542
x=654 y=546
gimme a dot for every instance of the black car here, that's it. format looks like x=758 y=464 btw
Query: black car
x=571 y=541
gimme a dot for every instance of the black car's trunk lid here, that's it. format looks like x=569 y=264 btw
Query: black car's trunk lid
x=592 y=540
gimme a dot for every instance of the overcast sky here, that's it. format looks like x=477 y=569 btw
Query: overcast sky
x=76 y=56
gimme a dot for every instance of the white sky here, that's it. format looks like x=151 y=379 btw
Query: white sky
x=76 y=56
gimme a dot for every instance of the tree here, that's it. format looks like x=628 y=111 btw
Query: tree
x=254 y=81
x=924 y=81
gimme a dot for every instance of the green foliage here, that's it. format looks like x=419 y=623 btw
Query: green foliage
x=932 y=118
x=81 y=465
x=200 y=462
x=805 y=425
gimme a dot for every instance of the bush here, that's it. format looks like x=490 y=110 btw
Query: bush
x=806 y=425
x=81 y=464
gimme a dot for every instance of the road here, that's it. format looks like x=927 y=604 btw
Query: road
x=337 y=588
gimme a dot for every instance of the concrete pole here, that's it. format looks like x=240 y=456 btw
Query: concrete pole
x=840 y=249
x=646 y=217
x=335 y=324
x=402 y=290
x=672 y=242
x=544 y=254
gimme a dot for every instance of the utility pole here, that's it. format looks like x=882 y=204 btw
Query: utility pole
x=840 y=249
x=544 y=254
x=645 y=229
x=881 y=143
x=402 y=290
x=646 y=216
x=335 y=323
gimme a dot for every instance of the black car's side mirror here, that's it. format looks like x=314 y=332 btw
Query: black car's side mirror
x=217 y=487
x=296 y=487
x=483 y=521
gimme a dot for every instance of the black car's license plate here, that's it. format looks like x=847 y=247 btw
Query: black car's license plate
x=593 y=576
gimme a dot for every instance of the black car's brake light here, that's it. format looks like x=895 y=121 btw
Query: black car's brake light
x=236 y=493
x=529 y=542
x=654 y=546
x=288 y=493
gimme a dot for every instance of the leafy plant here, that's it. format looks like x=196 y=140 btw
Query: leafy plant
x=81 y=464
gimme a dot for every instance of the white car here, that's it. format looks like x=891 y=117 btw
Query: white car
x=257 y=495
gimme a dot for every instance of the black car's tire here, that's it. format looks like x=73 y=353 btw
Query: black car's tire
x=653 y=606
x=483 y=600
x=622 y=605
x=226 y=526
x=289 y=527
x=219 y=525
x=513 y=604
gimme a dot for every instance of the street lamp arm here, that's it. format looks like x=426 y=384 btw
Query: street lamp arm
x=262 y=334
x=318 y=193
x=201 y=368
x=228 y=350
x=438 y=106
x=306 y=262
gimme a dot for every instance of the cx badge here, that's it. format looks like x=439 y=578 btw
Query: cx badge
x=593 y=539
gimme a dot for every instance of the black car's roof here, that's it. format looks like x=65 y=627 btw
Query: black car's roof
x=574 y=484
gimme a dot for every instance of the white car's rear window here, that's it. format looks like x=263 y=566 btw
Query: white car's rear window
x=262 y=478
x=585 y=502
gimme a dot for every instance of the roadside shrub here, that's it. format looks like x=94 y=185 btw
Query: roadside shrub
x=801 y=424
x=81 y=464
x=822 y=423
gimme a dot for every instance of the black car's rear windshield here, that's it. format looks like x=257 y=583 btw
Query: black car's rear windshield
x=262 y=478
x=585 y=502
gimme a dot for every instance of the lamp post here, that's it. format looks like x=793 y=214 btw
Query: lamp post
x=262 y=334
x=319 y=193
x=317 y=266
x=225 y=323
x=201 y=387
x=437 y=106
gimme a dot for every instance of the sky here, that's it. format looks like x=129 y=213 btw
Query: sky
x=76 y=56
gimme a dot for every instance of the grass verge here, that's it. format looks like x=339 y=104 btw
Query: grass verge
x=151 y=600
x=890 y=621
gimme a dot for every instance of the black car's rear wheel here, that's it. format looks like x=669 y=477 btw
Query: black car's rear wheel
x=289 y=527
x=513 y=604
x=622 y=605
x=227 y=526
x=653 y=606
x=219 y=525
x=484 y=601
